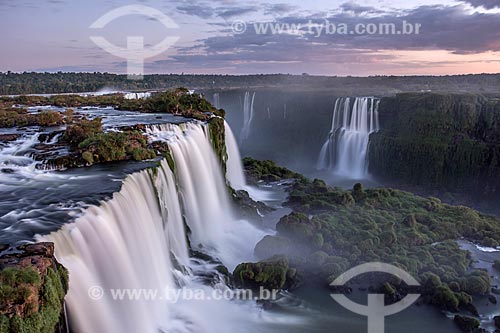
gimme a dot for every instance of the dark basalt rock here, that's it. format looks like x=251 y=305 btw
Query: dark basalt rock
x=248 y=207
x=466 y=324
x=9 y=137
x=273 y=273
x=470 y=308
x=496 y=320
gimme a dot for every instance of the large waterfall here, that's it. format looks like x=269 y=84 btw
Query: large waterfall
x=247 y=115
x=346 y=147
x=138 y=239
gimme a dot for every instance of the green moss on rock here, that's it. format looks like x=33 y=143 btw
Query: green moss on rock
x=32 y=289
x=217 y=133
x=273 y=273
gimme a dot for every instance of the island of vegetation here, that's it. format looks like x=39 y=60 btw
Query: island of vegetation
x=331 y=230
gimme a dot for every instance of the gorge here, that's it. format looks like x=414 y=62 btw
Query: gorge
x=171 y=221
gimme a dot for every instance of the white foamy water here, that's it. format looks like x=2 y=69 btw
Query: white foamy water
x=345 y=150
x=129 y=241
x=247 y=115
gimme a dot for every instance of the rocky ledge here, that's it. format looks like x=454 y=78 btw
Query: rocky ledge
x=32 y=289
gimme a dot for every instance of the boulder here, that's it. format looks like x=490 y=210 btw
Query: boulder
x=273 y=273
x=466 y=324
x=496 y=319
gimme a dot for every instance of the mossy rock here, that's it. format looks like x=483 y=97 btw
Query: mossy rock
x=32 y=289
x=273 y=273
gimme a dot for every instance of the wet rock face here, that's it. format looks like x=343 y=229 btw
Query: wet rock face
x=33 y=286
x=8 y=137
x=445 y=141
x=249 y=208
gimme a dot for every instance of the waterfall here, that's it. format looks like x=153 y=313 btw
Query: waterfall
x=235 y=175
x=136 y=239
x=140 y=95
x=123 y=243
x=346 y=147
x=247 y=115
x=217 y=100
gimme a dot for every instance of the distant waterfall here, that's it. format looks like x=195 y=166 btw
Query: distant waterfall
x=346 y=147
x=141 y=95
x=235 y=175
x=136 y=239
x=247 y=115
x=217 y=100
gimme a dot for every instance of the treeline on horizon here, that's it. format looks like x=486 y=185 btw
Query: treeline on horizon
x=53 y=83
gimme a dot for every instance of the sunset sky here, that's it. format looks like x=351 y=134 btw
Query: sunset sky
x=455 y=37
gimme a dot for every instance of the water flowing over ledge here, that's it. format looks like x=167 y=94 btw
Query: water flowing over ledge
x=346 y=147
x=138 y=239
x=248 y=113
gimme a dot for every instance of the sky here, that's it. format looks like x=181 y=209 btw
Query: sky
x=320 y=37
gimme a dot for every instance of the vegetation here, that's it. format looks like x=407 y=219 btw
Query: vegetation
x=36 y=83
x=466 y=324
x=31 y=291
x=273 y=273
x=81 y=130
x=267 y=171
x=91 y=145
x=218 y=139
x=445 y=141
x=18 y=117
x=331 y=230
x=177 y=101
x=87 y=140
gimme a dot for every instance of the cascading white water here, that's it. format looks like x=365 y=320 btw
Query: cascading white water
x=247 y=115
x=234 y=174
x=124 y=243
x=234 y=166
x=16 y=156
x=203 y=191
x=128 y=242
x=217 y=100
x=141 y=95
x=345 y=149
